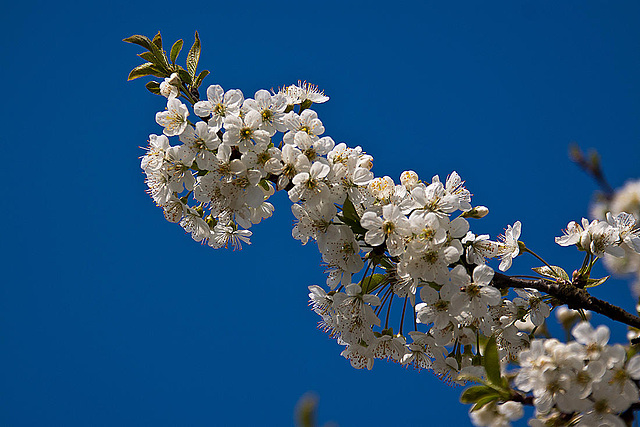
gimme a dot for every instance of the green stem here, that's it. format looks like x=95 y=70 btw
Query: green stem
x=526 y=249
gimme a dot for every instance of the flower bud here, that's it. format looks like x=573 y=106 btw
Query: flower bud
x=476 y=212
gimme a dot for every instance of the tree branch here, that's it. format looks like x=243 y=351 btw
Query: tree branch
x=575 y=298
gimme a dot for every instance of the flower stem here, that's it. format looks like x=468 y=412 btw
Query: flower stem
x=526 y=249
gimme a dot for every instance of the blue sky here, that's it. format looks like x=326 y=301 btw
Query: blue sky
x=109 y=315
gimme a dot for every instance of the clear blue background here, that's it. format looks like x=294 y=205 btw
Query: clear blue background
x=109 y=315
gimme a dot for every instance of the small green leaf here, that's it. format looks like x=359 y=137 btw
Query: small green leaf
x=591 y=283
x=263 y=183
x=371 y=283
x=349 y=211
x=154 y=87
x=555 y=272
x=157 y=40
x=353 y=225
x=484 y=401
x=384 y=263
x=184 y=76
x=193 y=57
x=201 y=76
x=492 y=362
x=175 y=50
x=147 y=69
x=475 y=393
x=139 y=40
x=149 y=57
x=469 y=377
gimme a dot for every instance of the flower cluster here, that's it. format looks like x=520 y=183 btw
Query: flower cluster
x=586 y=382
x=383 y=241
x=625 y=199
x=612 y=236
x=217 y=183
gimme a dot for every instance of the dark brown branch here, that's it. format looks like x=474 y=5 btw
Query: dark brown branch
x=566 y=293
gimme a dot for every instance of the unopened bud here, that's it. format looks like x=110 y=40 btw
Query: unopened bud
x=476 y=212
x=174 y=80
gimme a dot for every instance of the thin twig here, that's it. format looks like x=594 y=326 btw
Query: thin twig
x=566 y=293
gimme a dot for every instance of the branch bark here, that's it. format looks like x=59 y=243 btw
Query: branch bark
x=566 y=293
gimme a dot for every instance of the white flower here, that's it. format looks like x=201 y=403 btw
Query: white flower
x=625 y=225
x=307 y=122
x=297 y=94
x=392 y=227
x=497 y=415
x=434 y=198
x=359 y=356
x=193 y=223
x=477 y=295
x=571 y=235
x=293 y=162
x=530 y=299
x=154 y=158
x=179 y=160
x=595 y=340
x=309 y=185
x=271 y=110
x=479 y=248
x=312 y=219
x=222 y=235
x=340 y=248
x=202 y=140
x=389 y=347
x=174 y=119
x=409 y=179
x=381 y=188
x=170 y=87
x=603 y=239
x=219 y=105
x=509 y=248
x=455 y=187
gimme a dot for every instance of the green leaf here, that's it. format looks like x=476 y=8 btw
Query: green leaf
x=152 y=47
x=469 y=377
x=175 y=50
x=591 y=283
x=263 y=183
x=555 y=272
x=154 y=87
x=371 y=283
x=349 y=211
x=201 y=76
x=475 y=393
x=149 y=57
x=139 y=40
x=353 y=225
x=147 y=69
x=484 y=401
x=157 y=40
x=492 y=362
x=193 y=57
x=184 y=76
x=384 y=263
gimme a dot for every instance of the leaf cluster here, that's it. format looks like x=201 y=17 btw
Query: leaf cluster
x=159 y=65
